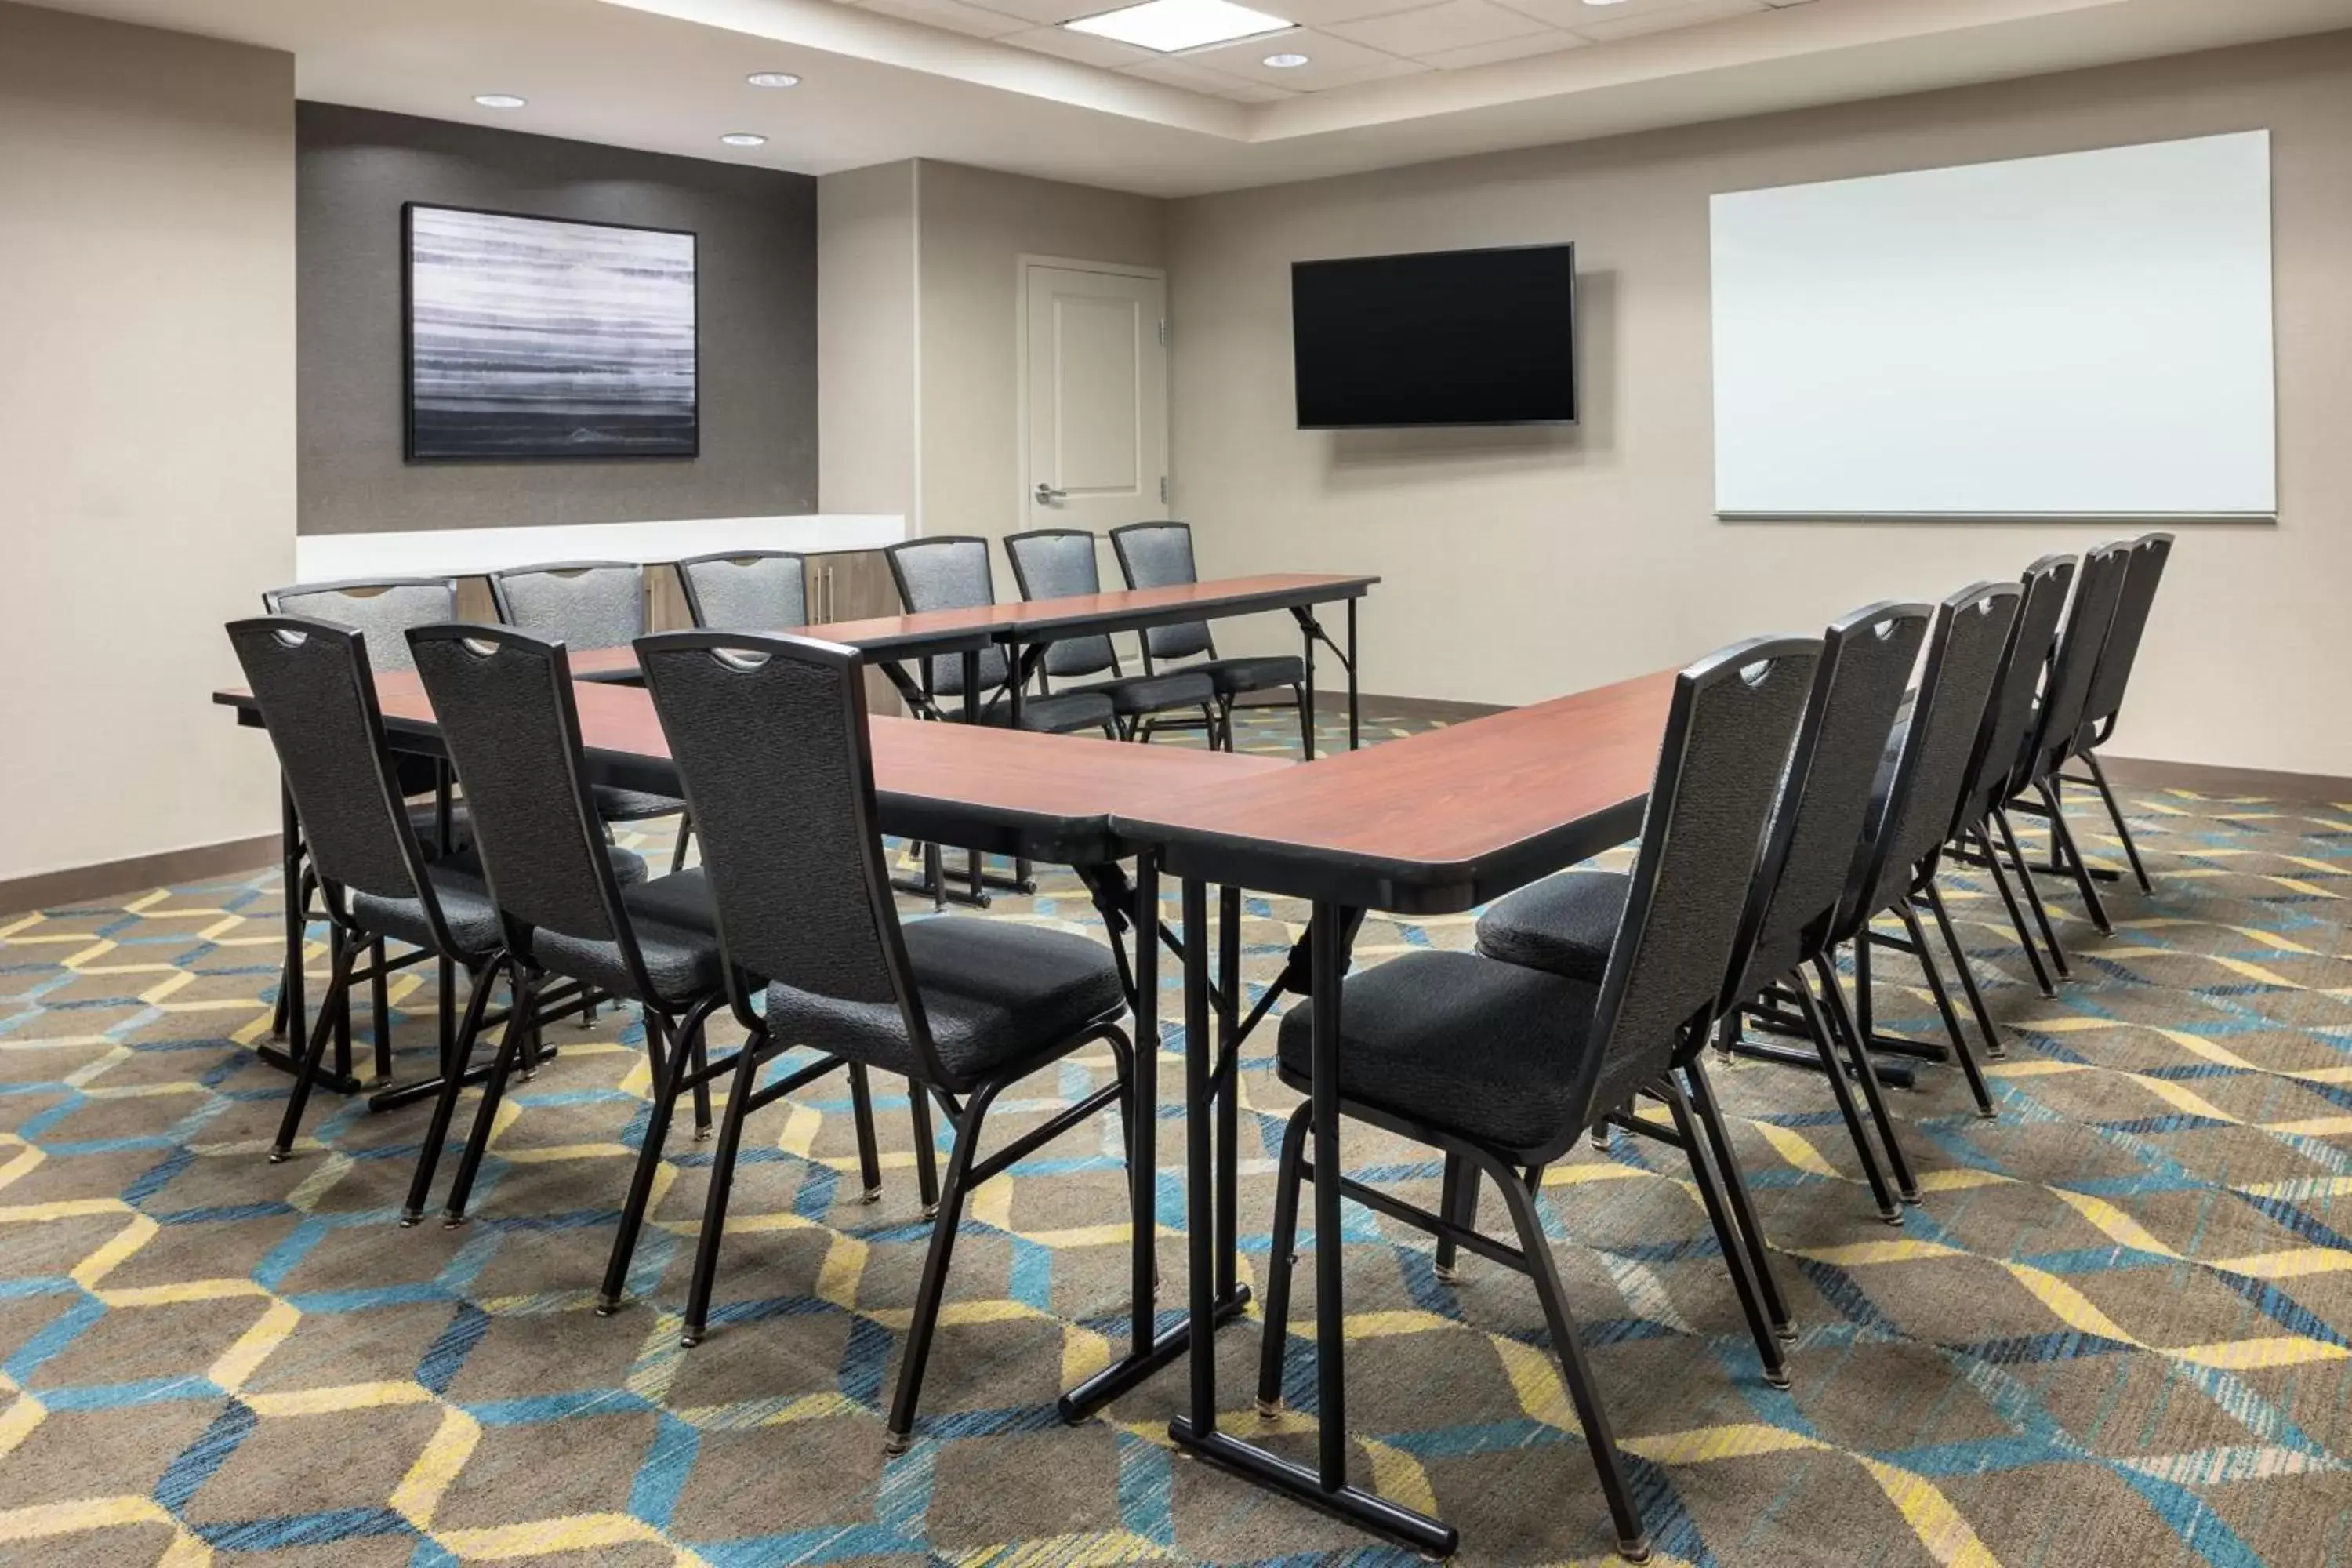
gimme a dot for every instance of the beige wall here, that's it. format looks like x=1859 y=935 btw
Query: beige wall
x=976 y=225
x=866 y=340
x=146 y=429
x=1524 y=563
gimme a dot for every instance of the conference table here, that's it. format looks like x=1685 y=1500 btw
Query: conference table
x=1433 y=823
x=1025 y=629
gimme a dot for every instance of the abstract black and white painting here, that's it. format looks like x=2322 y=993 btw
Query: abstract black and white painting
x=534 y=337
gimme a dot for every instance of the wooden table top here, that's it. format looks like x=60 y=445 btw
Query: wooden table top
x=1124 y=609
x=1049 y=797
x=1433 y=823
x=1127 y=609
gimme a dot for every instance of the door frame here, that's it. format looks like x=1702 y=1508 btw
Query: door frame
x=1021 y=266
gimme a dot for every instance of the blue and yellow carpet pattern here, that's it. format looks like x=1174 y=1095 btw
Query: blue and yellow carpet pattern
x=2118 y=1331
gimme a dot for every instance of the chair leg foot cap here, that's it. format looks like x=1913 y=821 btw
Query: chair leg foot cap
x=702 y=1134
x=607 y=1305
x=411 y=1218
x=1269 y=1409
x=931 y=1211
x=896 y=1443
x=1445 y=1274
x=280 y=1156
x=870 y=1195
x=1785 y=1333
x=452 y=1221
x=1893 y=1215
x=1911 y=1199
x=688 y=1340
x=1634 y=1550
x=1988 y=1116
x=1776 y=1379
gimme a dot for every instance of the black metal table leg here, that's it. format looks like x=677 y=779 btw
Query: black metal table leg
x=1229 y=1093
x=1307 y=688
x=1355 y=720
x=1149 y=1349
x=1325 y=1486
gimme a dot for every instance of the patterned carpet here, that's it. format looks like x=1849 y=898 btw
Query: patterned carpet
x=2118 y=1331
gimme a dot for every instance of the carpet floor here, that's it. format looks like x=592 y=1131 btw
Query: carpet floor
x=2118 y=1330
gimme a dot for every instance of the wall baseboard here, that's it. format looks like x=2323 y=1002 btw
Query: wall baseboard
x=2203 y=778
x=139 y=874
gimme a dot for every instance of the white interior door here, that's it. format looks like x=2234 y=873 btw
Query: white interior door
x=1097 y=425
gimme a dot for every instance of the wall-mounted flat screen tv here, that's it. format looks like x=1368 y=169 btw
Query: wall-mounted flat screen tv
x=1448 y=337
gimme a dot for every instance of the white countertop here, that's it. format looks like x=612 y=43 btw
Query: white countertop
x=471 y=552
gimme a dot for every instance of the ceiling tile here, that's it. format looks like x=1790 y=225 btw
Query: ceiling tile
x=1043 y=11
x=1084 y=48
x=1332 y=61
x=1322 y=13
x=952 y=14
x=1639 y=17
x=1550 y=40
x=1452 y=25
x=1184 y=73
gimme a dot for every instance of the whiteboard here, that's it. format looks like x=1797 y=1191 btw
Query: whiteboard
x=2085 y=335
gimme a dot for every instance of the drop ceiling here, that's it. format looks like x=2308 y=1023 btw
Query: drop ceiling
x=1000 y=83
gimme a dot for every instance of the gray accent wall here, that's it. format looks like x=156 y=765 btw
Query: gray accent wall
x=757 y=264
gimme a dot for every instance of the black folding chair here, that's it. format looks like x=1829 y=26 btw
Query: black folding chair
x=1919 y=798
x=746 y=590
x=2149 y=553
x=1160 y=555
x=769 y=733
x=1058 y=563
x=1568 y=924
x=316 y=690
x=2058 y=723
x=1504 y=1068
x=380 y=609
x=590 y=605
x=504 y=703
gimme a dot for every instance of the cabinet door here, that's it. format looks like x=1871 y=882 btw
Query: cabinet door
x=853 y=585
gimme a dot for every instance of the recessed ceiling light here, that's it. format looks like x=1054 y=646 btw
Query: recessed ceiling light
x=500 y=100
x=1285 y=62
x=772 y=79
x=744 y=139
x=1168 y=26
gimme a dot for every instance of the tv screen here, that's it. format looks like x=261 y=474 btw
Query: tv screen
x=1448 y=337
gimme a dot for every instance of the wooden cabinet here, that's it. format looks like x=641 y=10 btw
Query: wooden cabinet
x=852 y=585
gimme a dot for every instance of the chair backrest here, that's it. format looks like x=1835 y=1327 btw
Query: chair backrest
x=1964 y=649
x=2009 y=715
x=746 y=590
x=580 y=604
x=1729 y=727
x=770 y=738
x=1866 y=659
x=2098 y=590
x=503 y=700
x=1160 y=555
x=384 y=608
x=948 y=571
x=2149 y=553
x=1057 y=563
x=317 y=694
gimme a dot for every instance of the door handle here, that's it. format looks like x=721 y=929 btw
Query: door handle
x=1047 y=495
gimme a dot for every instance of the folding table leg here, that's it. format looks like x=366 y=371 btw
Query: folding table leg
x=1325 y=1486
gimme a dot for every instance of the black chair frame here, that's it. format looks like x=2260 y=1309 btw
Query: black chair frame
x=965 y=1101
x=1039 y=657
x=1312 y=629
x=347 y=936
x=1683 y=1088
